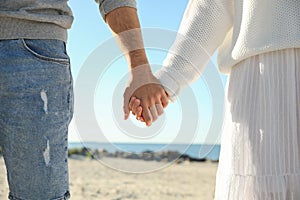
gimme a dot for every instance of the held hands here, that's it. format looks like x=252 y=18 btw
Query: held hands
x=144 y=96
x=125 y=25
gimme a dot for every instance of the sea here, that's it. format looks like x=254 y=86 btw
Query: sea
x=198 y=151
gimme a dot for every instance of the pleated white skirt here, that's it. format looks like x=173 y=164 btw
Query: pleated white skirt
x=260 y=147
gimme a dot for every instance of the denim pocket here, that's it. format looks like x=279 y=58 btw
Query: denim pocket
x=48 y=50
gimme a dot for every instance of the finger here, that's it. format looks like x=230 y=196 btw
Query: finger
x=153 y=113
x=135 y=106
x=132 y=99
x=159 y=109
x=125 y=105
x=147 y=115
x=139 y=111
x=164 y=100
x=142 y=119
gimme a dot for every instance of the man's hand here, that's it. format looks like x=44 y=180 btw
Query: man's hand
x=124 y=24
x=150 y=96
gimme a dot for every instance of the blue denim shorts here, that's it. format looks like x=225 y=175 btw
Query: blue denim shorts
x=36 y=106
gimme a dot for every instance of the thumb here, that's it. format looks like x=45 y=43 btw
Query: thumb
x=126 y=105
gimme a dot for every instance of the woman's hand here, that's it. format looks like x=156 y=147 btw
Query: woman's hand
x=144 y=96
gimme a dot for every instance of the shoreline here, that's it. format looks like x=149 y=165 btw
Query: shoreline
x=160 y=156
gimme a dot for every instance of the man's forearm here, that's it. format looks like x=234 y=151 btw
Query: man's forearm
x=125 y=24
x=142 y=85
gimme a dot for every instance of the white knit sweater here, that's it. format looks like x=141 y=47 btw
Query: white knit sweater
x=238 y=29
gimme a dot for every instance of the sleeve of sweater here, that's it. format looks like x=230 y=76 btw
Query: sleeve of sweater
x=105 y=6
x=202 y=30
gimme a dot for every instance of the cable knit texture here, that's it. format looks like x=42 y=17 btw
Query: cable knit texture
x=237 y=29
x=43 y=19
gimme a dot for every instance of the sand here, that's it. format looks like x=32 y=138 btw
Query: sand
x=91 y=179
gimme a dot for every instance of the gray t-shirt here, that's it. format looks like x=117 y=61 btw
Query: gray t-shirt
x=44 y=19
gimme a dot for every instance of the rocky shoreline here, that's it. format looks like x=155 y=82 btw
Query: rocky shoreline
x=163 y=156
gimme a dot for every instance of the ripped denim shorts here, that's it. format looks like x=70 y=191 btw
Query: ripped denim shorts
x=36 y=106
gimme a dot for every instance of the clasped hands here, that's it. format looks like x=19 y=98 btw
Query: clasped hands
x=144 y=96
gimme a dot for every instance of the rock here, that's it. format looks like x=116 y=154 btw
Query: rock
x=197 y=159
x=133 y=156
x=148 y=155
x=173 y=155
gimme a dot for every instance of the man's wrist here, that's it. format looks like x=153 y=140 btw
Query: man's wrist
x=142 y=70
x=138 y=58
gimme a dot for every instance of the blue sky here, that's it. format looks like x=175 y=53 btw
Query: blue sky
x=89 y=31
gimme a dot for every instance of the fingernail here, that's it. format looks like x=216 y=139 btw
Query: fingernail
x=125 y=116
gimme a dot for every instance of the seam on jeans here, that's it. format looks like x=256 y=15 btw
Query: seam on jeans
x=59 y=60
x=70 y=96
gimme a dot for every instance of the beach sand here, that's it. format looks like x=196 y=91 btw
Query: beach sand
x=91 y=179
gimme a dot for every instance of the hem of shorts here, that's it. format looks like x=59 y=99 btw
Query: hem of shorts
x=66 y=196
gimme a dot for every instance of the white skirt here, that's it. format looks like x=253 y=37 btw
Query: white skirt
x=260 y=147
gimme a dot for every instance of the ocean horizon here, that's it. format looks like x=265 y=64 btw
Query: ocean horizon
x=199 y=151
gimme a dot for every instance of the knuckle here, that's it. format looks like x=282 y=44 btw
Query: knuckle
x=151 y=99
x=161 y=90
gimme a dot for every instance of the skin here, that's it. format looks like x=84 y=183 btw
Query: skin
x=135 y=106
x=150 y=93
